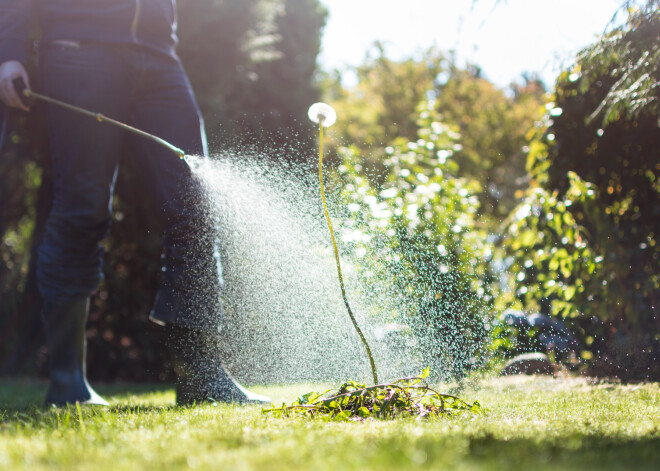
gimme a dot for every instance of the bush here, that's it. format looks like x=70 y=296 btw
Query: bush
x=583 y=239
x=423 y=239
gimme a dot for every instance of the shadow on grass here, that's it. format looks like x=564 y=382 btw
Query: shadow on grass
x=22 y=406
x=20 y=396
x=579 y=452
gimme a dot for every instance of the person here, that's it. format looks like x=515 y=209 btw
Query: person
x=118 y=58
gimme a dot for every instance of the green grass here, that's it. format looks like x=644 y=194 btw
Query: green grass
x=532 y=424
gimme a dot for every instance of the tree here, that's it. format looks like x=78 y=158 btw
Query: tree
x=292 y=73
x=379 y=107
x=636 y=46
x=256 y=87
x=493 y=126
x=491 y=121
x=585 y=236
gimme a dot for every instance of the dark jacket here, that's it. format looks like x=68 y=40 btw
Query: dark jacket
x=151 y=23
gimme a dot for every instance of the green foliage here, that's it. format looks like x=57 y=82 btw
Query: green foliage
x=509 y=340
x=24 y=184
x=492 y=124
x=630 y=55
x=432 y=201
x=378 y=109
x=493 y=127
x=424 y=239
x=553 y=261
x=407 y=397
x=584 y=238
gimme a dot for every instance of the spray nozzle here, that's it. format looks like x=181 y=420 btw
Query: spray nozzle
x=323 y=114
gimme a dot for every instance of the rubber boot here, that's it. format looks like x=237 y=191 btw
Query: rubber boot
x=201 y=375
x=67 y=348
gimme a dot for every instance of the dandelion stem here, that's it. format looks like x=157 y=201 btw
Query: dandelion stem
x=334 y=246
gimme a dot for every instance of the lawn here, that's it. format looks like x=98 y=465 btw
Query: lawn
x=532 y=423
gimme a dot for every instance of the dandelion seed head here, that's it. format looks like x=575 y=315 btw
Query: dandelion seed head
x=322 y=113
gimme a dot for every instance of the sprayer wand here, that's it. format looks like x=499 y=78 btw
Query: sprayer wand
x=27 y=93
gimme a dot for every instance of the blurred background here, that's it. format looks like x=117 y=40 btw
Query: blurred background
x=534 y=124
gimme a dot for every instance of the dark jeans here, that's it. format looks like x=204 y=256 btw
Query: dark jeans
x=150 y=91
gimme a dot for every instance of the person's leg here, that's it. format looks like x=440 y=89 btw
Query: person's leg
x=84 y=157
x=164 y=105
x=188 y=301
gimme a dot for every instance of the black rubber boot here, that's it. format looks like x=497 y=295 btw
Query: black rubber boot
x=201 y=376
x=67 y=348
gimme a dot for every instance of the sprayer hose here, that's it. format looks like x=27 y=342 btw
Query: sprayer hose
x=334 y=246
